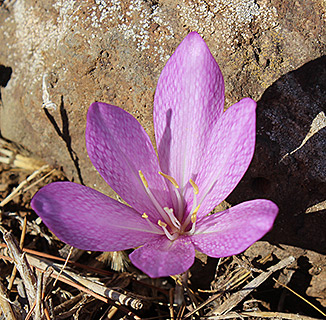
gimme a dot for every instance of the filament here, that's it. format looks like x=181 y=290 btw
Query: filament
x=167 y=233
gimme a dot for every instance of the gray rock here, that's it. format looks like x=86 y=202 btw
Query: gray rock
x=290 y=158
x=113 y=51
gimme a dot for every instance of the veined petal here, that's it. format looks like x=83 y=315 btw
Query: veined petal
x=163 y=257
x=227 y=155
x=234 y=230
x=189 y=99
x=119 y=147
x=89 y=220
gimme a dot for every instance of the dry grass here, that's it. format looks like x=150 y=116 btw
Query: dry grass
x=41 y=278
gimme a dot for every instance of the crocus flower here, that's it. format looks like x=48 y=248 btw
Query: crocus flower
x=203 y=153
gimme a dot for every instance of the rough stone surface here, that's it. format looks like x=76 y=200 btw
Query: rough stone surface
x=290 y=157
x=113 y=51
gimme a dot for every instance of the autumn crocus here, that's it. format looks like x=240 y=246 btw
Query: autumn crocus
x=202 y=155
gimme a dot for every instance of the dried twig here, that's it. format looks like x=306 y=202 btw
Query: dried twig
x=84 y=289
x=260 y=314
x=85 y=267
x=22 y=184
x=111 y=312
x=17 y=160
x=64 y=266
x=238 y=296
x=38 y=304
x=21 y=244
x=22 y=265
x=255 y=283
x=171 y=295
x=5 y=304
x=74 y=307
x=298 y=295
x=68 y=304
x=43 y=264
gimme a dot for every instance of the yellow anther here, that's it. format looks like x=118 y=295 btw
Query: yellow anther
x=144 y=215
x=172 y=180
x=196 y=209
x=161 y=224
x=193 y=184
x=142 y=177
x=194 y=214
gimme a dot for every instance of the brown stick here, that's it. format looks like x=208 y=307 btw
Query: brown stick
x=22 y=184
x=38 y=307
x=22 y=265
x=5 y=304
x=21 y=244
x=83 y=289
x=238 y=296
x=255 y=283
x=43 y=264
x=261 y=314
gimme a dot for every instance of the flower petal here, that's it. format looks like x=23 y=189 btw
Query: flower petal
x=227 y=155
x=189 y=99
x=163 y=257
x=119 y=147
x=89 y=220
x=234 y=230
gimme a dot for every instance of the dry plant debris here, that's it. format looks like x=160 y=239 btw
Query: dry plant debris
x=55 y=281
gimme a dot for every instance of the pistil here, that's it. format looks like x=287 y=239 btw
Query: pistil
x=171 y=225
x=172 y=217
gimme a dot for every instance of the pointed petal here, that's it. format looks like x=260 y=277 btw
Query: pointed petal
x=189 y=99
x=119 y=147
x=227 y=155
x=234 y=230
x=89 y=220
x=162 y=258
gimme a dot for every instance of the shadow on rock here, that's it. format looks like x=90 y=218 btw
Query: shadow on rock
x=65 y=135
x=289 y=165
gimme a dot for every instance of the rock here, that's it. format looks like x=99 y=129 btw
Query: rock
x=113 y=51
x=290 y=157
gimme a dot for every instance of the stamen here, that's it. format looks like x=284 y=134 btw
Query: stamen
x=192 y=230
x=172 y=217
x=167 y=233
x=142 y=177
x=152 y=197
x=179 y=205
x=172 y=180
x=162 y=224
x=196 y=209
x=194 y=202
x=152 y=225
x=193 y=218
x=193 y=184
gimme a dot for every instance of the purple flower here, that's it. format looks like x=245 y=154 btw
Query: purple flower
x=203 y=153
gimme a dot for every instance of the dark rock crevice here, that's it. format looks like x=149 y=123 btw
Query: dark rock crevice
x=290 y=157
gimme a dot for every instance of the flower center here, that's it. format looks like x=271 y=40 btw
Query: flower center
x=171 y=223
